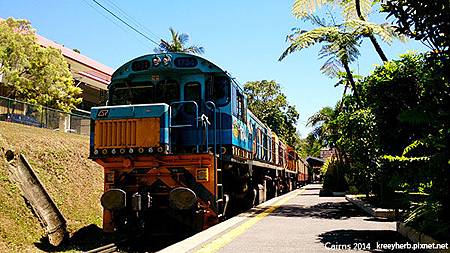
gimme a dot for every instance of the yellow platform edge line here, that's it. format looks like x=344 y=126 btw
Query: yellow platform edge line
x=225 y=239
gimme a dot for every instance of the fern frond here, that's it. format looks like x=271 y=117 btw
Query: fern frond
x=391 y=158
x=302 y=8
x=304 y=39
x=331 y=67
x=385 y=31
x=413 y=146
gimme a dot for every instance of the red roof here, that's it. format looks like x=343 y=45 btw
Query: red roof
x=103 y=72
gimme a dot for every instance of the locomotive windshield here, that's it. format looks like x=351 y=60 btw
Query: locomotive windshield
x=218 y=90
x=165 y=91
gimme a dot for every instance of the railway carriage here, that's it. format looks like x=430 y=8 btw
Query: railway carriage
x=179 y=148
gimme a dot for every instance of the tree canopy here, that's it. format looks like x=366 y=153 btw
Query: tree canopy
x=422 y=20
x=392 y=136
x=269 y=104
x=177 y=43
x=33 y=73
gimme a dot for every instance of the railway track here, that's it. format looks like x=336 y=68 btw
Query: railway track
x=138 y=243
x=108 y=248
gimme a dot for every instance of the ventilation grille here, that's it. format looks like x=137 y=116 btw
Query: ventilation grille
x=127 y=133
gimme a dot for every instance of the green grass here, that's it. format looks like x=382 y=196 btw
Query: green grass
x=73 y=181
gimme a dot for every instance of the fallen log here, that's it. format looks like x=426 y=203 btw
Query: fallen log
x=39 y=199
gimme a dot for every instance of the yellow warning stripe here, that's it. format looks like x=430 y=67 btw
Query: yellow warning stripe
x=232 y=234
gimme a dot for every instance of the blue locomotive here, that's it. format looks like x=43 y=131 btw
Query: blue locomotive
x=179 y=148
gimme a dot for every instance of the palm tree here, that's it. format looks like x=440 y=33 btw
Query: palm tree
x=352 y=10
x=320 y=121
x=178 y=44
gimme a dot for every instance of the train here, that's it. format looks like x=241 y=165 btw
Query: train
x=180 y=149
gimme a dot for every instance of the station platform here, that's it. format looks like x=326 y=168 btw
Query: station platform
x=299 y=221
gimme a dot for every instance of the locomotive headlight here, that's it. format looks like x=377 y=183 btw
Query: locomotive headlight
x=113 y=151
x=130 y=151
x=96 y=152
x=150 y=150
x=114 y=199
x=156 y=61
x=166 y=60
x=182 y=198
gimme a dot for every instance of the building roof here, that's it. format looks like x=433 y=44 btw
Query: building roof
x=100 y=72
x=314 y=161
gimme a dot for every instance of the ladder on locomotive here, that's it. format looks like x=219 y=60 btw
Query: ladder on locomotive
x=221 y=198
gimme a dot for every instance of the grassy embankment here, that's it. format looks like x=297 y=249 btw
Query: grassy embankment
x=73 y=181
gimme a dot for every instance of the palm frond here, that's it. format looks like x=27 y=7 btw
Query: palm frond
x=326 y=113
x=173 y=33
x=302 y=8
x=194 y=50
x=183 y=38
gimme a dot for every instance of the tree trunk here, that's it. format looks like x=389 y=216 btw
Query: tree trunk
x=342 y=100
x=372 y=38
x=352 y=83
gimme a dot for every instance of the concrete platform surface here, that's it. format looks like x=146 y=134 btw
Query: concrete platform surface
x=299 y=221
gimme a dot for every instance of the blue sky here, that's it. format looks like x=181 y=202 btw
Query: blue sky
x=243 y=37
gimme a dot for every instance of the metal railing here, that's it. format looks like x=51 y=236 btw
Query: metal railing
x=12 y=110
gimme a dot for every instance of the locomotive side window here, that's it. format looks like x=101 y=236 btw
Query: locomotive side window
x=170 y=91
x=132 y=93
x=218 y=90
x=240 y=112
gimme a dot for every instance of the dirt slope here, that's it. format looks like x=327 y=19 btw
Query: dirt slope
x=73 y=181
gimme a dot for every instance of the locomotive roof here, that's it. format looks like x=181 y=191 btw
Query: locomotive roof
x=188 y=63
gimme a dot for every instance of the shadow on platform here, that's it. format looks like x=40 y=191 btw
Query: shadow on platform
x=364 y=240
x=327 y=210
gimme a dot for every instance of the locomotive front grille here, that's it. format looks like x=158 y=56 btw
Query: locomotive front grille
x=127 y=133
